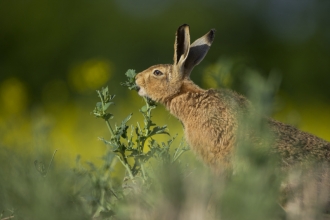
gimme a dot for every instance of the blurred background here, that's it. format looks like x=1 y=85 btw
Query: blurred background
x=55 y=54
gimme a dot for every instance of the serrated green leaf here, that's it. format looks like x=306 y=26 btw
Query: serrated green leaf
x=158 y=130
x=130 y=83
x=99 y=105
x=130 y=74
x=127 y=118
x=105 y=91
x=124 y=132
x=137 y=131
x=133 y=87
x=152 y=124
x=106 y=106
x=112 y=97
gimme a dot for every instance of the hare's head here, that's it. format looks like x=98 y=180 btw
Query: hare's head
x=163 y=81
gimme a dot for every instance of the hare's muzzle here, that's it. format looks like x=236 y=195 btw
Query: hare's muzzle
x=138 y=88
x=141 y=91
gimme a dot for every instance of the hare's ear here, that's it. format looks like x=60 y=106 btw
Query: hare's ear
x=197 y=51
x=181 y=48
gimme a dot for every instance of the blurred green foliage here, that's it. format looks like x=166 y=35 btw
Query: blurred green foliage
x=154 y=185
x=55 y=54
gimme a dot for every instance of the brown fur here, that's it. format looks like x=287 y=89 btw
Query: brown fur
x=211 y=118
x=298 y=146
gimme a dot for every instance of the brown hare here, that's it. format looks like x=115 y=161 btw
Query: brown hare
x=211 y=117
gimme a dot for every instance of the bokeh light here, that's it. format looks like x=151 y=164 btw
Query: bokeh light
x=90 y=75
x=13 y=96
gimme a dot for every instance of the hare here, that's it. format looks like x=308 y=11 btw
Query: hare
x=211 y=118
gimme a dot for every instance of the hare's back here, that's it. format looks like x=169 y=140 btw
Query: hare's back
x=295 y=145
x=235 y=102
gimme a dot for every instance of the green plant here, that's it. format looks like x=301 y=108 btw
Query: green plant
x=122 y=143
x=133 y=146
x=40 y=166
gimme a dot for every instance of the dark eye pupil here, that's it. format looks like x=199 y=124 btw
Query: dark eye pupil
x=157 y=73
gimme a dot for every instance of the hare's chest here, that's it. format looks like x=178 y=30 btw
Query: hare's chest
x=199 y=135
x=203 y=140
x=213 y=133
x=197 y=140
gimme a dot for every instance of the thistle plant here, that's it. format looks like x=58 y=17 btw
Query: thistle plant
x=133 y=146
x=141 y=148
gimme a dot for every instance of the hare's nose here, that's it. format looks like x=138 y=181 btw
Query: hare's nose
x=137 y=88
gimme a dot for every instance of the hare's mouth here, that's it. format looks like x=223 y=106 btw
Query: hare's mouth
x=141 y=91
x=138 y=88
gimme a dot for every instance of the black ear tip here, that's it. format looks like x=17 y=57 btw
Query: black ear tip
x=211 y=35
x=183 y=26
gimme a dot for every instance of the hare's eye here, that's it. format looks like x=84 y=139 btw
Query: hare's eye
x=157 y=73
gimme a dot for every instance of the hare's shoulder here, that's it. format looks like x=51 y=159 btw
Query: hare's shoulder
x=231 y=99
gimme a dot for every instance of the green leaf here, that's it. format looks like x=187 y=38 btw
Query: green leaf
x=115 y=148
x=99 y=105
x=144 y=109
x=130 y=83
x=130 y=74
x=121 y=131
x=105 y=91
x=107 y=116
x=106 y=106
x=111 y=97
x=158 y=130
x=127 y=118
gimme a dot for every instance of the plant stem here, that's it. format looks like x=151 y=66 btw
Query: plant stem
x=126 y=166
x=100 y=207
x=146 y=101
x=176 y=156
x=106 y=121
x=102 y=101
x=110 y=128
x=113 y=192
x=122 y=160
x=143 y=172
x=51 y=161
